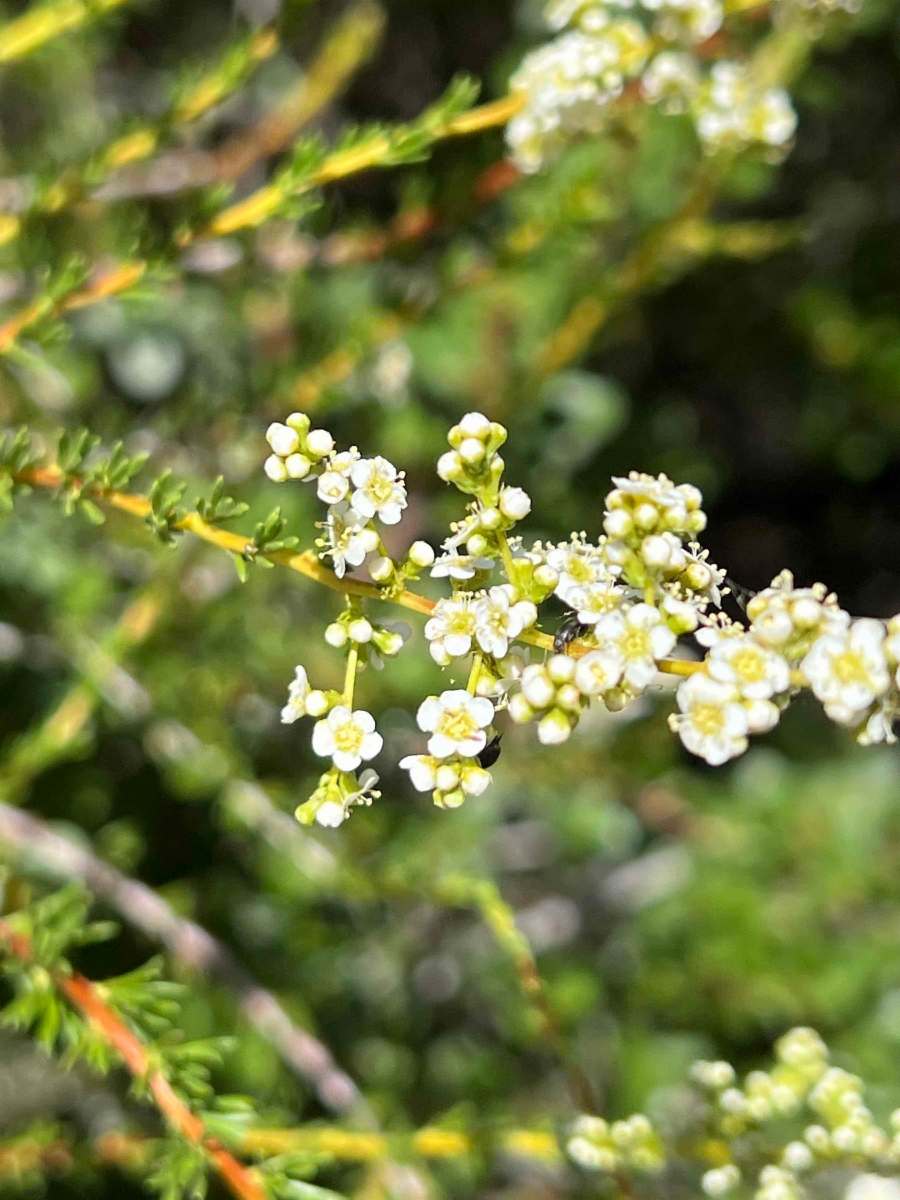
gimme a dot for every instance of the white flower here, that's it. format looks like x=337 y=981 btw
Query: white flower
x=450 y=628
x=597 y=672
x=579 y=565
x=791 y=618
x=456 y=721
x=593 y=600
x=568 y=85
x=733 y=112
x=848 y=670
x=298 y=690
x=749 y=666
x=712 y=722
x=638 y=638
x=671 y=80
x=379 y=490
x=332 y=487
x=347 y=738
x=498 y=619
x=347 y=538
x=458 y=566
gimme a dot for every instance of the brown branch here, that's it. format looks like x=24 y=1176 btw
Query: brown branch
x=189 y=944
x=84 y=996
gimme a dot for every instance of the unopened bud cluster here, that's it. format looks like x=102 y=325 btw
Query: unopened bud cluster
x=778 y=1135
x=643 y=582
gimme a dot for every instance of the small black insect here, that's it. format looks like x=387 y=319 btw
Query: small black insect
x=491 y=752
x=569 y=631
x=742 y=595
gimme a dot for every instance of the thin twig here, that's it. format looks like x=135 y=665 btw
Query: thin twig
x=190 y=945
x=87 y=999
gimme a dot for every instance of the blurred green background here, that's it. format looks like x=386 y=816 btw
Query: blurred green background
x=675 y=911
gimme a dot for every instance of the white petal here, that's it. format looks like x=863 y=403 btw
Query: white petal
x=481 y=709
x=344 y=761
x=442 y=746
x=322 y=740
x=430 y=712
x=371 y=745
x=474 y=745
x=364 y=720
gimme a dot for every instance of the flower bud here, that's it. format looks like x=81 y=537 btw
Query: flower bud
x=319 y=442
x=569 y=697
x=446 y=777
x=336 y=635
x=421 y=554
x=656 y=551
x=282 y=439
x=806 y=612
x=554 y=728
x=381 y=569
x=520 y=710
x=475 y=780
x=388 y=642
x=546 y=576
x=561 y=668
x=297 y=465
x=697 y=576
x=471 y=451
x=477 y=544
x=368 y=539
x=490 y=518
x=618 y=523
x=537 y=687
x=450 y=466
x=454 y=799
x=475 y=425
x=646 y=516
x=515 y=503
x=275 y=469
x=616 y=699
x=298 y=421
x=317 y=704
x=360 y=630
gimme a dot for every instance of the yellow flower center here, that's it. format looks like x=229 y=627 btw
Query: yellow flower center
x=849 y=668
x=636 y=644
x=750 y=665
x=458 y=725
x=380 y=488
x=708 y=718
x=348 y=738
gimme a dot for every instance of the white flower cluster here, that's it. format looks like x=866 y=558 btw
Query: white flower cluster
x=357 y=490
x=569 y=84
x=818 y=1115
x=451 y=770
x=797 y=637
x=630 y=1145
x=731 y=111
x=631 y=593
x=347 y=738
